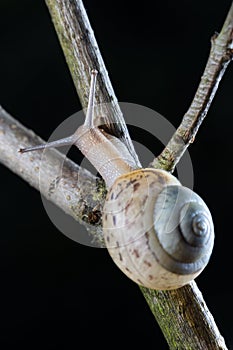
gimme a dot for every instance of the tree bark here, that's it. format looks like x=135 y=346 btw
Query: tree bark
x=184 y=318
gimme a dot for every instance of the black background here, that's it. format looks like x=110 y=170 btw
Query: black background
x=55 y=293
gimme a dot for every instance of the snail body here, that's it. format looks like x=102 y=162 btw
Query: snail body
x=158 y=232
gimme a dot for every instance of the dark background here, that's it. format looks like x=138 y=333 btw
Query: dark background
x=55 y=293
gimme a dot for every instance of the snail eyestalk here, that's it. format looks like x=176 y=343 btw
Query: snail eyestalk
x=54 y=144
x=70 y=140
x=89 y=120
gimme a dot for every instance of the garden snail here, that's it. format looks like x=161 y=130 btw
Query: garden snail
x=158 y=232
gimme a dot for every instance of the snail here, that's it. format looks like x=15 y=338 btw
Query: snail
x=158 y=232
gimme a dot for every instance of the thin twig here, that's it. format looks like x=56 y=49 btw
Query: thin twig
x=220 y=56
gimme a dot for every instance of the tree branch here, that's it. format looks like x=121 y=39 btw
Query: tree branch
x=181 y=314
x=184 y=318
x=62 y=191
x=82 y=54
x=220 y=56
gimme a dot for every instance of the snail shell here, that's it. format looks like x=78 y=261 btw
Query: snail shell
x=159 y=233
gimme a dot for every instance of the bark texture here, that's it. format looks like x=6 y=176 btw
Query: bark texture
x=184 y=318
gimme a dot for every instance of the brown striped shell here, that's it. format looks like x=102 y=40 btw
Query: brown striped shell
x=159 y=233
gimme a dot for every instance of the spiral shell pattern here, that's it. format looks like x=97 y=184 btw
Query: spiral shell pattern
x=159 y=233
